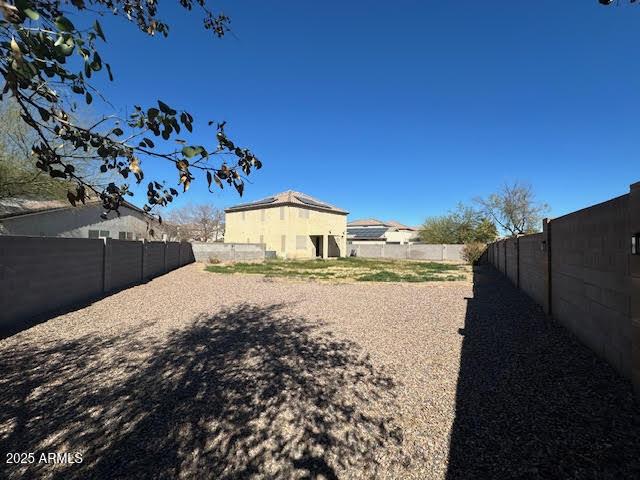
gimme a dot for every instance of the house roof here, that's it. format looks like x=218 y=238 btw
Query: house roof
x=289 y=197
x=364 y=233
x=401 y=226
x=374 y=222
x=15 y=207
x=367 y=222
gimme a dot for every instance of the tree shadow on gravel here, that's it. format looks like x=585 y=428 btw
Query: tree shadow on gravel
x=247 y=393
x=532 y=402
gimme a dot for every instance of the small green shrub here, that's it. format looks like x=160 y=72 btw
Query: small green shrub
x=471 y=252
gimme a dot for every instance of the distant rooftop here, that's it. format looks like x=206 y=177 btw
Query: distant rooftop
x=289 y=197
x=13 y=207
x=10 y=207
x=401 y=226
x=374 y=222
x=368 y=222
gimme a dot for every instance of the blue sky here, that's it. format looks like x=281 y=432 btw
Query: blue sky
x=401 y=109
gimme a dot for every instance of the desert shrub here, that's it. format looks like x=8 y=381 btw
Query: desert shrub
x=214 y=260
x=471 y=252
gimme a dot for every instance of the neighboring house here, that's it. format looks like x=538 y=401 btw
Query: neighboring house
x=57 y=218
x=374 y=231
x=292 y=224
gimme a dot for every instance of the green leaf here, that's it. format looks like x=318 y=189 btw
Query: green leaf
x=64 y=24
x=32 y=14
x=189 y=152
x=164 y=108
x=98 y=30
x=96 y=64
x=88 y=98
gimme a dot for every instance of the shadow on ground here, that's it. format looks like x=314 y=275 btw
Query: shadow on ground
x=248 y=392
x=531 y=401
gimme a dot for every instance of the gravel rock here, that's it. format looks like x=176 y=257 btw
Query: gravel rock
x=200 y=375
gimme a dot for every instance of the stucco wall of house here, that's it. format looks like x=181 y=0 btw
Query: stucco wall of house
x=76 y=223
x=401 y=236
x=287 y=230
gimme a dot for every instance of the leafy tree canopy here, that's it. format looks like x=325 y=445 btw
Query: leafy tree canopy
x=463 y=225
x=19 y=177
x=48 y=63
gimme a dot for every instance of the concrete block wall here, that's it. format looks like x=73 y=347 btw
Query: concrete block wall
x=500 y=260
x=634 y=277
x=186 y=253
x=590 y=288
x=153 y=264
x=511 y=262
x=124 y=263
x=229 y=252
x=581 y=270
x=452 y=252
x=532 y=279
x=415 y=251
x=173 y=255
x=39 y=275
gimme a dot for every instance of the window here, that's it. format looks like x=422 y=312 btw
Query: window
x=125 y=235
x=301 y=242
x=99 y=234
x=281 y=213
x=283 y=243
x=303 y=213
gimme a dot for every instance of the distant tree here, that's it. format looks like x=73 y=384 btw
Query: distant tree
x=463 y=225
x=19 y=177
x=201 y=222
x=514 y=208
x=47 y=62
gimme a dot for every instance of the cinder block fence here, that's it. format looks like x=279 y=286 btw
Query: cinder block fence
x=584 y=271
x=43 y=274
x=416 y=251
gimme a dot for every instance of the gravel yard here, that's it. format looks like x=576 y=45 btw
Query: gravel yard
x=204 y=375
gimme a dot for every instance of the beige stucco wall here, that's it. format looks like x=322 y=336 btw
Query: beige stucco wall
x=401 y=236
x=279 y=228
